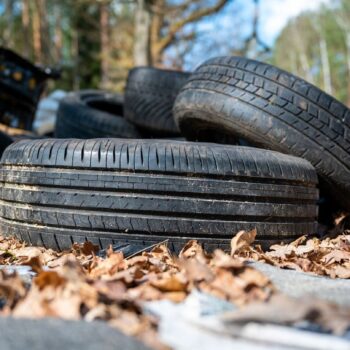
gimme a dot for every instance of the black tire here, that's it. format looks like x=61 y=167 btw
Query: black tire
x=114 y=191
x=92 y=113
x=149 y=98
x=271 y=109
x=5 y=141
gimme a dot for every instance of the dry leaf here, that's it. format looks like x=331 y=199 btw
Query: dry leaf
x=191 y=249
x=172 y=283
x=49 y=278
x=281 y=309
x=241 y=240
x=336 y=255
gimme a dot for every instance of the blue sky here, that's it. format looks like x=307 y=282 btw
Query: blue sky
x=276 y=13
x=221 y=32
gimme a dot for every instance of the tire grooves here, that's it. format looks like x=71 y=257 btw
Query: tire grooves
x=163 y=234
x=154 y=194
x=252 y=179
x=142 y=214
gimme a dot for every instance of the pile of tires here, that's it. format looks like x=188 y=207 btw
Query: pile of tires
x=116 y=175
x=93 y=113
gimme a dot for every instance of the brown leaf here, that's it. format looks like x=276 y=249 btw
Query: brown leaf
x=241 y=240
x=280 y=251
x=281 y=309
x=12 y=288
x=176 y=297
x=110 y=290
x=221 y=259
x=191 y=249
x=160 y=252
x=129 y=276
x=113 y=263
x=28 y=252
x=298 y=241
x=252 y=276
x=88 y=248
x=172 y=283
x=35 y=264
x=60 y=261
x=336 y=255
x=196 y=271
x=341 y=272
x=49 y=278
x=226 y=286
x=25 y=254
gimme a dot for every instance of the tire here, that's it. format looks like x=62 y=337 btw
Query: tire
x=5 y=141
x=92 y=113
x=149 y=98
x=114 y=191
x=271 y=109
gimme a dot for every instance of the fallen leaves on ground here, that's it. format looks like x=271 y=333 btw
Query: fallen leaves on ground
x=82 y=285
x=327 y=257
x=79 y=284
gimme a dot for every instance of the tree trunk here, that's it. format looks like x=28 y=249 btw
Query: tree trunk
x=157 y=22
x=36 y=35
x=306 y=67
x=327 y=82
x=347 y=38
x=58 y=33
x=75 y=55
x=7 y=36
x=104 y=28
x=44 y=31
x=142 y=54
x=25 y=28
x=302 y=54
x=344 y=25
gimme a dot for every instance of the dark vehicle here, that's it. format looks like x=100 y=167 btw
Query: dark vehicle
x=21 y=85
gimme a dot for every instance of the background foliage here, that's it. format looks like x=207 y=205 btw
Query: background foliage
x=96 y=42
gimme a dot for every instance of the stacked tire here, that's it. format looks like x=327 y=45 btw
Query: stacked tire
x=117 y=176
x=272 y=109
x=93 y=113
x=150 y=96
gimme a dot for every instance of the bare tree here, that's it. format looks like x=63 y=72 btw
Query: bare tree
x=44 y=30
x=326 y=69
x=58 y=38
x=25 y=26
x=159 y=24
x=254 y=42
x=343 y=21
x=36 y=33
x=173 y=18
x=104 y=33
x=142 y=51
x=7 y=36
x=302 y=53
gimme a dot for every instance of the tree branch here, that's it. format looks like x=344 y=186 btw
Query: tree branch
x=195 y=16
